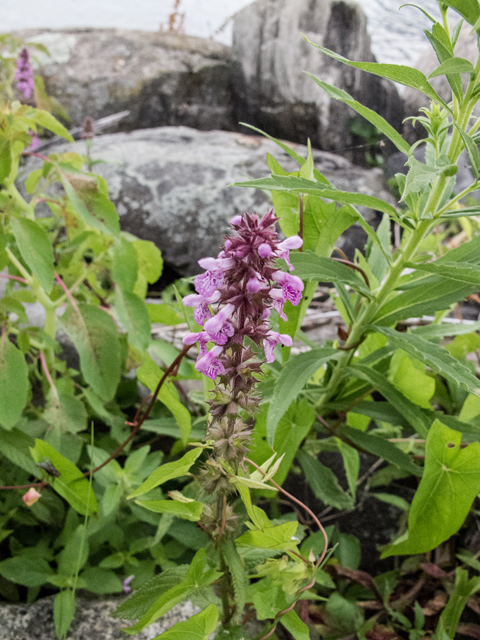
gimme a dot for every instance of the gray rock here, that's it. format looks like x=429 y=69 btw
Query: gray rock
x=162 y=78
x=170 y=185
x=275 y=94
x=413 y=100
x=92 y=621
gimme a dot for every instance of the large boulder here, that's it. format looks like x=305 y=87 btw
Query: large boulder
x=275 y=94
x=171 y=185
x=162 y=78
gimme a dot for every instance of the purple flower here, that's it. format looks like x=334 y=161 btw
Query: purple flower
x=284 y=248
x=270 y=342
x=202 y=338
x=236 y=221
x=207 y=283
x=214 y=325
x=264 y=250
x=35 y=141
x=216 y=264
x=254 y=285
x=24 y=75
x=126 y=582
x=279 y=300
x=202 y=312
x=209 y=364
x=292 y=286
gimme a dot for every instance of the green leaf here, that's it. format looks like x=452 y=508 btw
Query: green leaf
x=440 y=41
x=65 y=412
x=279 y=537
x=409 y=377
x=63 y=611
x=75 y=554
x=124 y=265
x=71 y=484
x=15 y=444
x=453 y=65
x=382 y=448
x=14 y=385
x=464 y=272
x=198 y=627
x=472 y=151
x=457 y=601
x=95 y=337
x=434 y=356
x=323 y=482
x=149 y=375
x=33 y=179
x=134 y=317
x=468 y=9
x=149 y=258
x=98 y=580
x=25 y=570
x=5 y=159
x=296 y=372
x=187 y=510
x=450 y=483
x=45 y=119
x=308 y=266
x=373 y=117
x=302 y=185
x=396 y=72
x=237 y=572
x=295 y=626
x=293 y=154
x=36 y=250
x=165 y=314
x=167 y=472
x=403 y=405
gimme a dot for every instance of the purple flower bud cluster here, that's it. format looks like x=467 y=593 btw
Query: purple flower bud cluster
x=24 y=75
x=244 y=285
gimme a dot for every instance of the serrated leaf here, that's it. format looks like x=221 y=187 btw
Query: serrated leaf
x=187 y=510
x=453 y=65
x=373 y=117
x=71 y=484
x=398 y=73
x=302 y=185
x=95 y=337
x=46 y=120
x=323 y=482
x=309 y=266
x=14 y=385
x=36 y=250
x=279 y=537
x=464 y=272
x=134 y=317
x=167 y=472
x=296 y=372
x=434 y=356
x=124 y=265
x=237 y=572
x=450 y=483
x=198 y=627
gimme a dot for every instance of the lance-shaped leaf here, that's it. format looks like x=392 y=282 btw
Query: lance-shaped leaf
x=191 y=510
x=237 y=572
x=373 y=117
x=71 y=484
x=464 y=272
x=309 y=266
x=13 y=383
x=302 y=185
x=36 y=250
x=468 y=9
x=434 y=356
x=167 y=472
x=453 y=65
x=46 y=120
x=134 y=317
x=124 y=265
x=15 y=445
x=396 y=72
x=198 y=627
x=95 y=337
x=65 y=413
x=450 y=483
x=296 y=372
x=323 y=482
x=279 y=537
x=292 y=623
x=472 y=151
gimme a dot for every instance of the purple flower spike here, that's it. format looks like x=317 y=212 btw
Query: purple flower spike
x=270 y=342
x=254 y=285
x=209 y=364
x=215 y=324
x=126 y=582
x=24 y=75
x=284 y=248
x=292 y=286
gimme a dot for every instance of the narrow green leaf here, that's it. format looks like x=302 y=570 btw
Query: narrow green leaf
x=75 y=554
x=187 y=510
x=5 y=158
x=468 y=9
x=134 y=317
x=308 y=266
x=405 y=407
x=46 y=120
x=472 y=151
x=198 y=627
x=453 y=65
x=279 y=537
x=281 y=144
x=124 y=265
x=434 y=356
x=167 y=472
x=396 y=72
x=237 y=572
x=36 y=250
x=450 y=483
x=14 y=384
x=295 y=626
x=71 y=484
x=446 y=329
x=63 y=611
x=296 y=372
x=368 y=114
x=460 y=271
x=95 y=337
x=323 y=482
x=448 y=625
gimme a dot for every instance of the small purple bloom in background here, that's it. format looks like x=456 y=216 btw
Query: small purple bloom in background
x=126 y=582
x=35 y=141
x=24 y=75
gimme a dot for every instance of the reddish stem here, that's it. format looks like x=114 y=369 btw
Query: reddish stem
x=37 y=155
x=68 y=292
x=47 y=372
x=9 y=277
